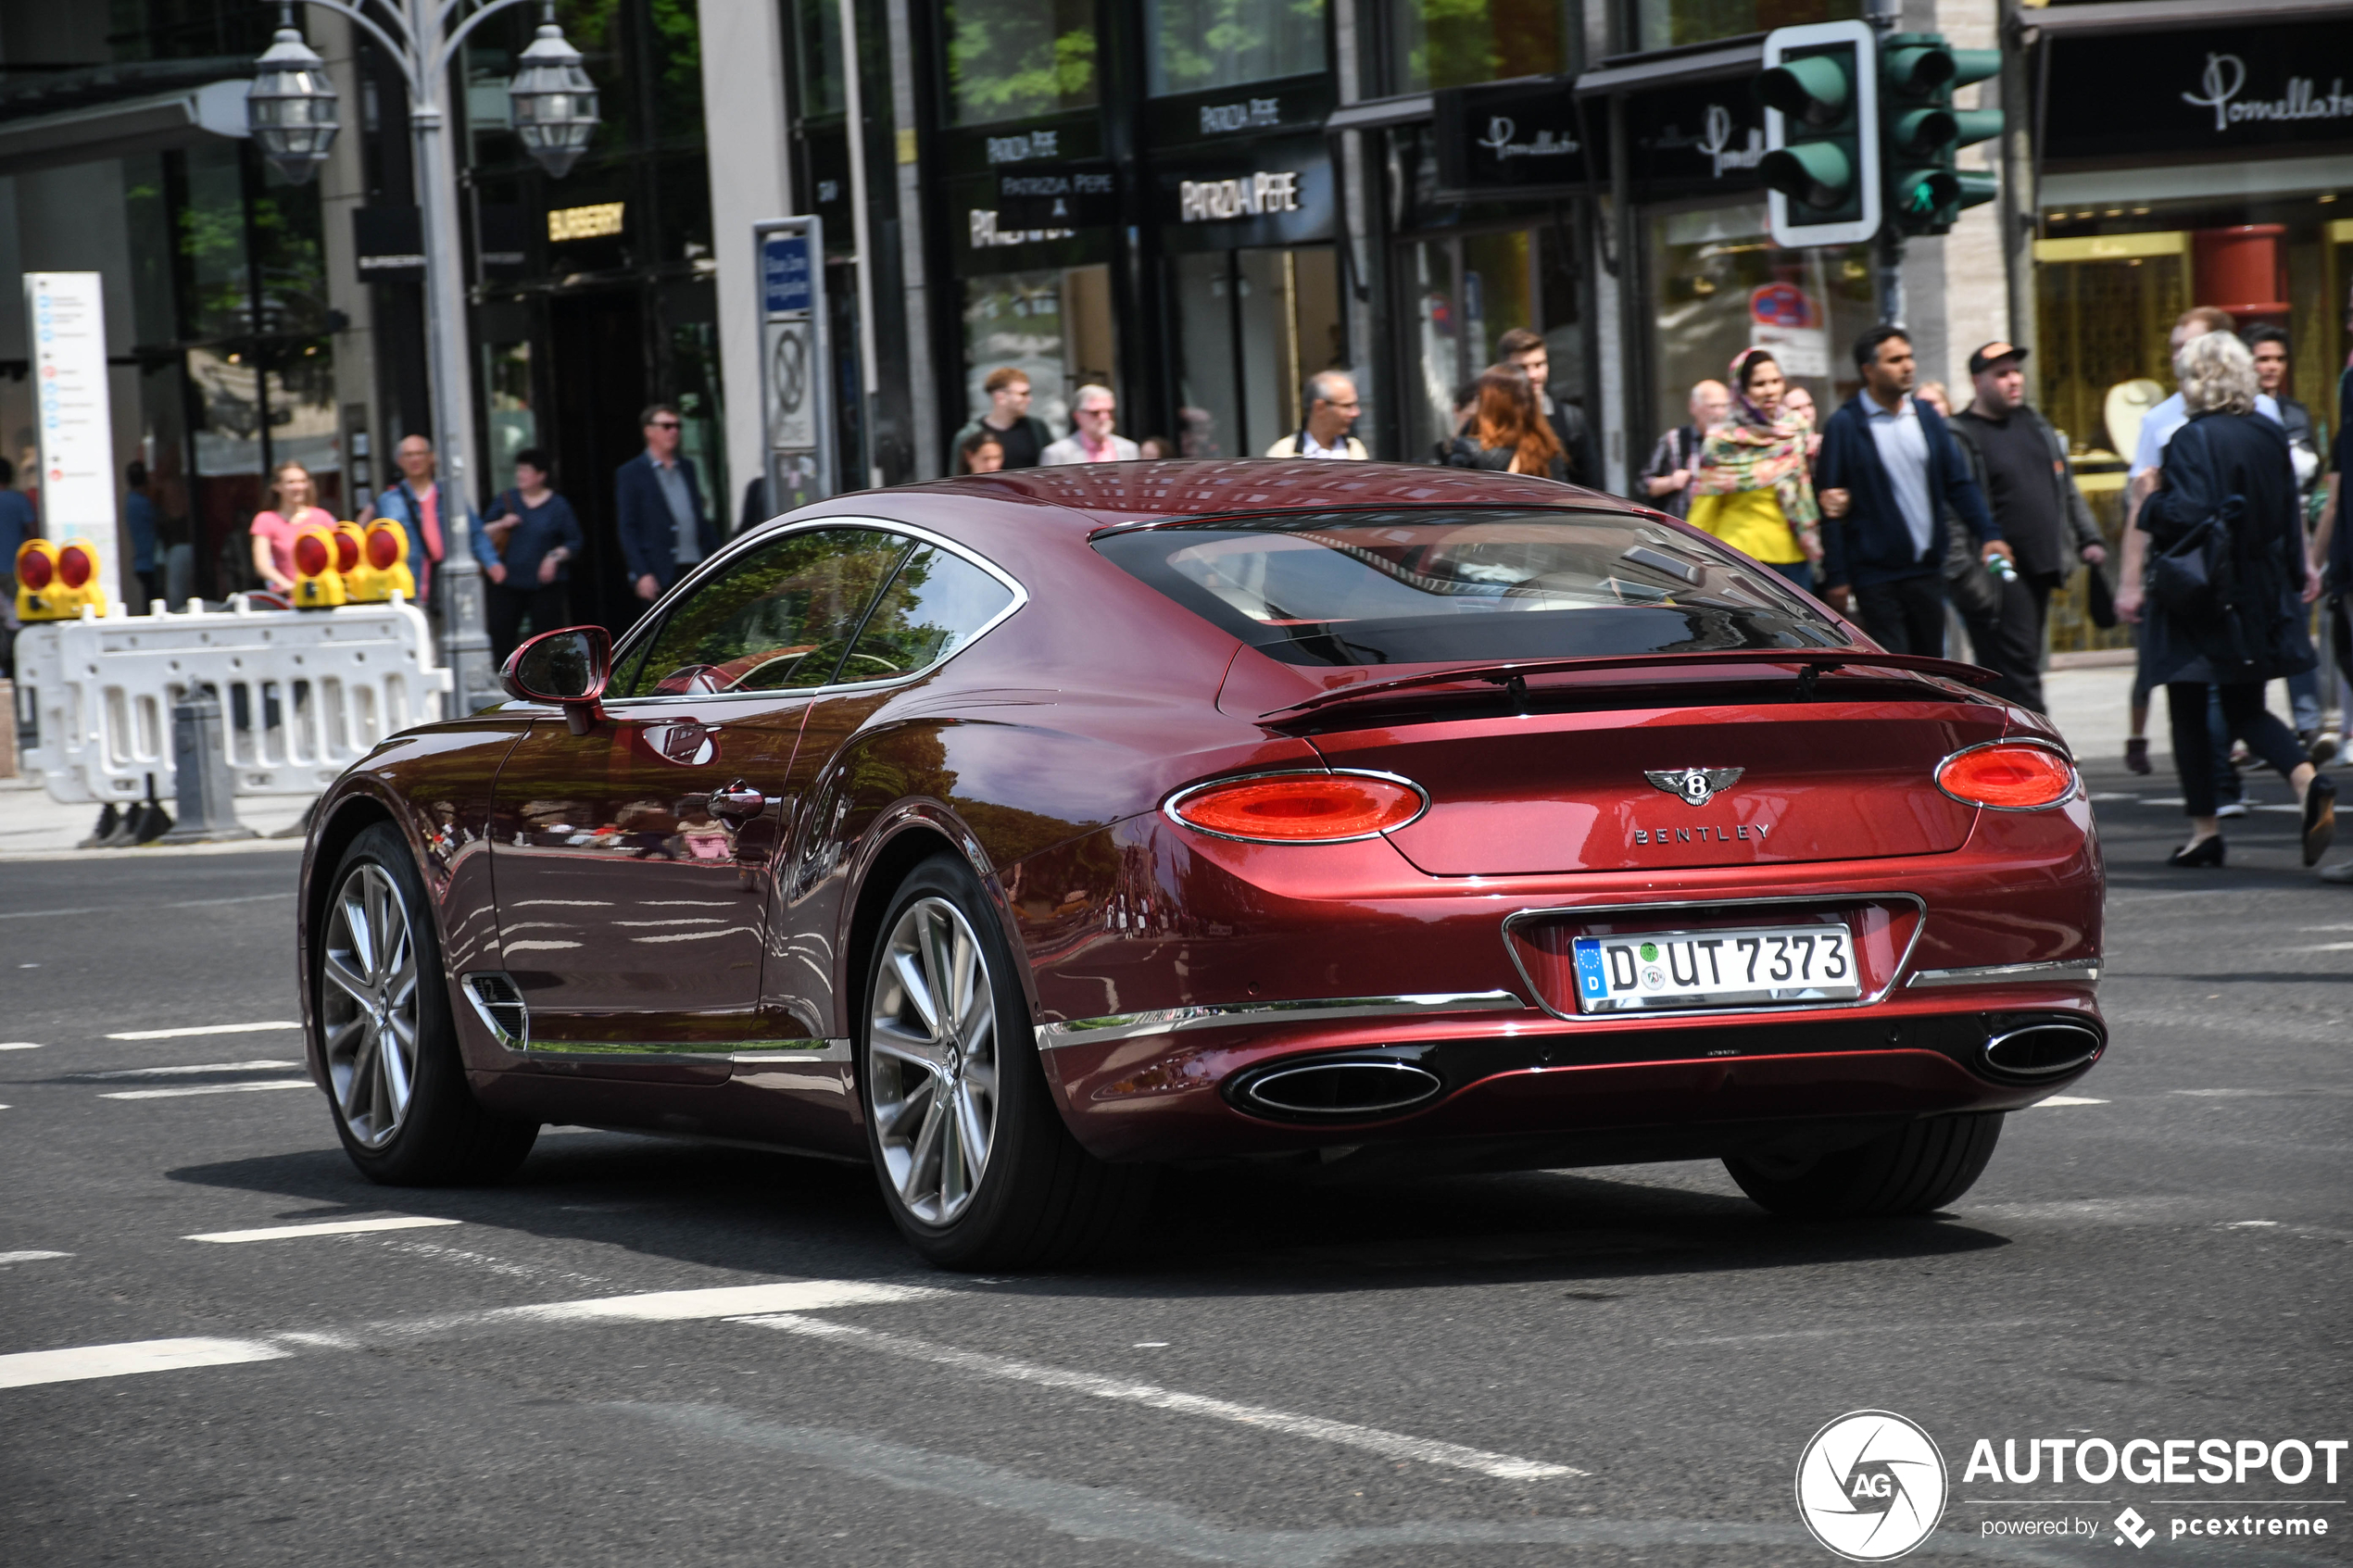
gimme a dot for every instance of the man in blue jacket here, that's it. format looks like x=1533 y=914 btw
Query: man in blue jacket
x=663 y=525
x=1887 y=475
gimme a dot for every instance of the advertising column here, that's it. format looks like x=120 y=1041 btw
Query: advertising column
x=66 y=322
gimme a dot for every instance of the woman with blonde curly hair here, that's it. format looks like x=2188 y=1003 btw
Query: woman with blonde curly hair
x=2226 y=589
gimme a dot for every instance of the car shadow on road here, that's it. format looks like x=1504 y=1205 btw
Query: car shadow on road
x=1212 y=1233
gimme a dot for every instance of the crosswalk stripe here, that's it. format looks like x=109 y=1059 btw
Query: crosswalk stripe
x=330 y=1227
x=31 y=1367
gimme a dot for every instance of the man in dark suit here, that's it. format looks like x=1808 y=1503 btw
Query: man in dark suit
x=663 y=525
x=1887 y=473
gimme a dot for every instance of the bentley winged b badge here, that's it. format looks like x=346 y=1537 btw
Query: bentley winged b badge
x=1696 y=785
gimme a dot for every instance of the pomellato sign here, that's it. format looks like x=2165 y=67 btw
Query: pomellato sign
x=2230 y=93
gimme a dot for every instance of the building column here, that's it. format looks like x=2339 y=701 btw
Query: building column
x=914 y=275
x=343 y=190
x=743 y=90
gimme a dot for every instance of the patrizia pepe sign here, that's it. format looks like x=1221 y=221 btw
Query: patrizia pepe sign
x=2222 y=91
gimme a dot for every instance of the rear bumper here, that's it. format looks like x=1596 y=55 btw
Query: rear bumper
x=1584 y=1092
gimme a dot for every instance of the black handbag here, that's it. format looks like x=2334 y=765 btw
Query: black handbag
x=2099 y=600
x=2190 y=577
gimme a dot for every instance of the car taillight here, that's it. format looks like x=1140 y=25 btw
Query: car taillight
x=1301 y=807
x=311 y=555
x=2007 y=776
x=346 y=552
x=34 y=570
x=73 y=565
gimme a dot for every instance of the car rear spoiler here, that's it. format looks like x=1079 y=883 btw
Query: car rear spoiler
x=1514 y=675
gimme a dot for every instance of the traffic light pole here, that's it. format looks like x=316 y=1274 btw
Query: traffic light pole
x=1886 y=17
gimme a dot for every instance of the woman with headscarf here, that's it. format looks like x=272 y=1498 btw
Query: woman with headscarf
x=1507 y=432
x=1753 y=489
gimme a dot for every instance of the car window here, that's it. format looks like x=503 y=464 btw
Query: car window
x=777 y=618
x=1443 y=585
x=937 y=602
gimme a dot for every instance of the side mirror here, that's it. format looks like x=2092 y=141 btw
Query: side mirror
x=569 y=667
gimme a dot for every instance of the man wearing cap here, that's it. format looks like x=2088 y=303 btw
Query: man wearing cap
x=2021 y=463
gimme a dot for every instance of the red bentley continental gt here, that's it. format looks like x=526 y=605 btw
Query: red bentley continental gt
x=1025 y=832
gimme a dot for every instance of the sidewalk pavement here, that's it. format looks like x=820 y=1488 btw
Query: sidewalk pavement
x=33 y=827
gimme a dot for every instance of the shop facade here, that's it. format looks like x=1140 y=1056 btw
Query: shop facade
x=2181 y=166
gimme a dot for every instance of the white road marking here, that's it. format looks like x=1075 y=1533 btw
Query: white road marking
x=183 y=1071
x=725 y=1301
x=2326 y=947
x=330 y=1227
x=2259 y=1094
x=1391 y=1445
x=2239 y=1225
x=34 y=1257
x=200 y=1029
x=127 y=909
x=19 y=1045
x=209 y=1089
x=1854 y=1329
x=2065 y=1100
x=32 y=1367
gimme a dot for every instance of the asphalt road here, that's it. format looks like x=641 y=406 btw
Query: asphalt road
x=1597 y=1367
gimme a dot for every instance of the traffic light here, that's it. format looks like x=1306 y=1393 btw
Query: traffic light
x=1921 y=133
x=1820 y=95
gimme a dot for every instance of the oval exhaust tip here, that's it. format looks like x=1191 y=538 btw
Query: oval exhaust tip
x=2041 y=1050
x=1342 y=1089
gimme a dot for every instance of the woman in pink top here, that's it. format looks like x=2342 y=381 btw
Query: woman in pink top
x=274 y=531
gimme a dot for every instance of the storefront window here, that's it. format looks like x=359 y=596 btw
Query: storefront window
x=1251 y=325
x=1663 y=24
x=818 y=25
x=1457 y=43
x=1015 y=59
x=1721 y=286
x=1052 y=325
x=505 y=386
x=1199 y=44
x=1461 y=293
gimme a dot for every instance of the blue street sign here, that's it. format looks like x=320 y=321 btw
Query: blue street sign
x=784 y=272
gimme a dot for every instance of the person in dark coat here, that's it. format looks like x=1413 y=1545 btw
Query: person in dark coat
x=663 y=525
x=1508 y=433
x=2228 y=471
x=526 y=541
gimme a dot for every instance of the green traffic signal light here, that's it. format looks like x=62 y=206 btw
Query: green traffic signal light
x=1818 y=174
x=1817 y=90
x=1922 y=132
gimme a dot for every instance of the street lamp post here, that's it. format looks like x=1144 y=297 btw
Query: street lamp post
x=291 y=111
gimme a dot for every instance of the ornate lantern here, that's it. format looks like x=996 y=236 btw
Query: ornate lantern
x=291 y=107
x=553 y=102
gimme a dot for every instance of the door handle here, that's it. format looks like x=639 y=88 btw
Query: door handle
x=738 y=799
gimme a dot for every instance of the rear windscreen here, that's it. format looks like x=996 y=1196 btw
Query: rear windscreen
x=1446 y=585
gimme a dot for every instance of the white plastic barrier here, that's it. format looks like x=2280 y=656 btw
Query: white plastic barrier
x=303 y=693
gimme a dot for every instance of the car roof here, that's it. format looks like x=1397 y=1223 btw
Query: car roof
x=1124 y=494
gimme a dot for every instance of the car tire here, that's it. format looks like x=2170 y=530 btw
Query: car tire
x=1921 y=1166
x=931 y=1093
x=396 y=1083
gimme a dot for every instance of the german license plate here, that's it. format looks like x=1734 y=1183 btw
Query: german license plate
x=1715 y=968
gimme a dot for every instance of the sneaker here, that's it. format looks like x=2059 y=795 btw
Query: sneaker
x=2231 y=809
x=2136 y=754
x=2342 y=874
x=2325 y=748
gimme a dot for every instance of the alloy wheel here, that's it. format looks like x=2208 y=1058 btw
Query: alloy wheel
x=932 y=1059
x=368 y=998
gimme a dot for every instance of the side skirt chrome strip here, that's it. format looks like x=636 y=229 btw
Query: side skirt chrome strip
x=655 y=1053
x=1170 y=1021
x=2087 y=970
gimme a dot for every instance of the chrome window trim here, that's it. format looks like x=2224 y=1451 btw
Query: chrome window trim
x=659 y=1053
x=2075 y=788
x=1638 y=911
x=1173 y=1021
x=1178 y=798
x=2085 y=970
x=760 y=537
